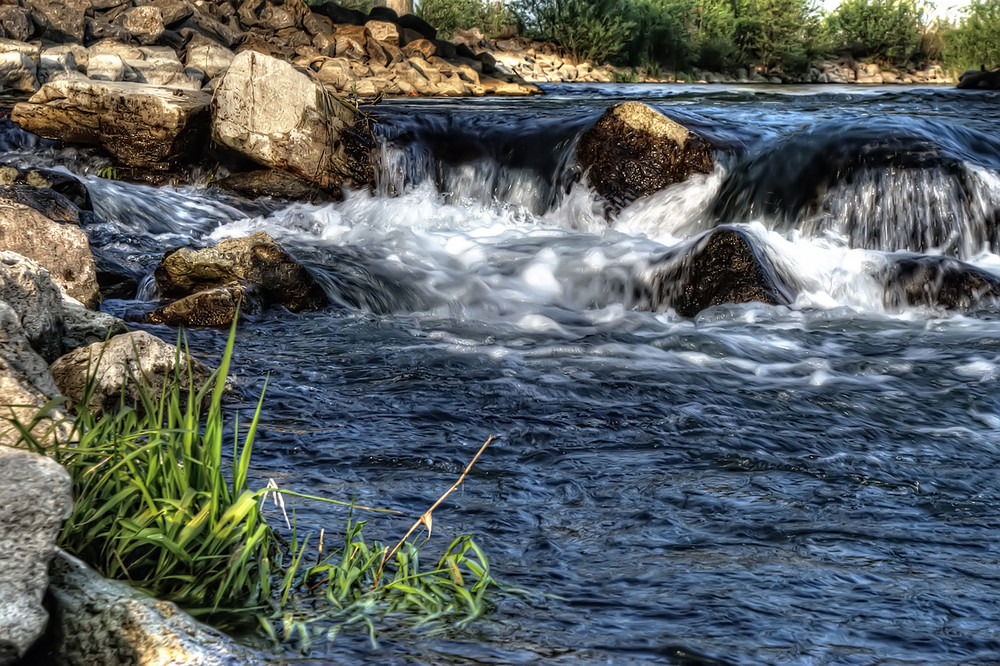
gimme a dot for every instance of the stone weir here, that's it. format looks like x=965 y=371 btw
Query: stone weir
x=189 y=44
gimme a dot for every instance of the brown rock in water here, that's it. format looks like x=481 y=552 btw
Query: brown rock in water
x=273 y=183
x=257 y=260
x=634 y=150
x=938 y=282
x=140 y=125
x=722 y=266
x=213 y=307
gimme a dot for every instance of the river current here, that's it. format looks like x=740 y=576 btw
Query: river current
x=816 y=483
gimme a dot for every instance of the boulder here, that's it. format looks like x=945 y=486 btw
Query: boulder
x=63 y=249
x=213 y=307
x=938 y=282
x=282 y=118
x=271 y=183
x=981 y=80
x=722 y=266
x=15 y=23
x=27 y=288
x=208 y=55
x=18 y=72
x=172 y=12
x=101 y=621
x=59 y=20
x=118 y=367
x=384 y=31
x=417 y=24
x=257 y=260
x=145 y=24
x=160 y=66
x=36 y=496
x=633 y=150
x=141 y=125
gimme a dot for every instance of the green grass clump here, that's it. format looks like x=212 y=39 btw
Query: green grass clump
x=158 y=504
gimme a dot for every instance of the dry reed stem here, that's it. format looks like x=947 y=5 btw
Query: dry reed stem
x=426 y=517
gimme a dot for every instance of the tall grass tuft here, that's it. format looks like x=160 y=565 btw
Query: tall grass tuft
x=160 y=504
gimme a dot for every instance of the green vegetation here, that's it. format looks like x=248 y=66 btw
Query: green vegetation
x=887 y=31
x=490 y=16
x=162 y=502
x=586 y=29
x=975 y=43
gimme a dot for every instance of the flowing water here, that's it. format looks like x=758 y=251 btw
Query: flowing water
x=811 y=484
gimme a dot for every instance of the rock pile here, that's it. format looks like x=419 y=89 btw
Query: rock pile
x=188 y=44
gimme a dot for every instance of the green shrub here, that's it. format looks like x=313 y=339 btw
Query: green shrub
x=159 y=503
x=777 y=33
x=450 y=15
x=586 y=29
x=975 y=42
x=884 y=30
x=660 y=33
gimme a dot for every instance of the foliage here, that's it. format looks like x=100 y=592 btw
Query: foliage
x=109 y=172
x=625 y=76
x=661 y=32
x=883 y=30
x=974 y=43
x=586 y=29
x=777 y=33
x=159 y=503
x=491 y=17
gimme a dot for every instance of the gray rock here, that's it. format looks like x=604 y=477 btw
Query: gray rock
x=101 y=621
x=208 y=55
x=36 y=496
x=16 y=23
x=141 y=125
x=145 y=24
x=18 y=72
x=118 y=368
x=28 y=290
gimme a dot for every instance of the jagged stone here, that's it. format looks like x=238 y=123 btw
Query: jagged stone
x=215 y=307
x=384 y=31
x=145 y=24
x=115 y=370
x=282 y=118
x=257 y=260
x=59 y=20
x=938 y=282
x=208 y=55
x=272 y=183
x=63 y=249
x=634 y=150
x=16 y=23
x=36 y=496
x=140 y=125
x=722 y=266
x=18 y=72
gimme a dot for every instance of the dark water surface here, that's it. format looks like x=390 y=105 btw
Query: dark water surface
x=814 y=484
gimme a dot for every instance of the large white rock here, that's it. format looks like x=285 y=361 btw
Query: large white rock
x=282 y=118
x=36 y=496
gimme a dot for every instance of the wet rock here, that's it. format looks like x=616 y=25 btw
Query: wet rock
x=256 y=260
x=139 y=125
x=634 y=150
x=722 y=266
x=36 y=495
x=213 y=307
x=938 y=282
x=16 y=23
x=63 y=249
x=118 y=367
x=101 y=621
x=981 y=80
x=59 y=20
x=72 y=192
x=272 y=183
x=282 y=118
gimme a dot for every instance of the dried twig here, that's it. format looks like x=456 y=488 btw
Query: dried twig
x=426 y=518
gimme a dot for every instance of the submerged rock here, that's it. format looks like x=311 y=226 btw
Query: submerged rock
x=36 y=496
x=981 y=80
x=939 y=282
x=257 y=260
x=142 y=126
x=722 y=266
x=118 y=367
x=280 y=117
x=634 y=150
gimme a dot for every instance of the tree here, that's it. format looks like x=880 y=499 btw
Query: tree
x=586 y=29
x=974 y=43
x=885 y=30
x=776 y=33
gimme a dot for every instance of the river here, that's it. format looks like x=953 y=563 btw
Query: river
x=816 y=483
